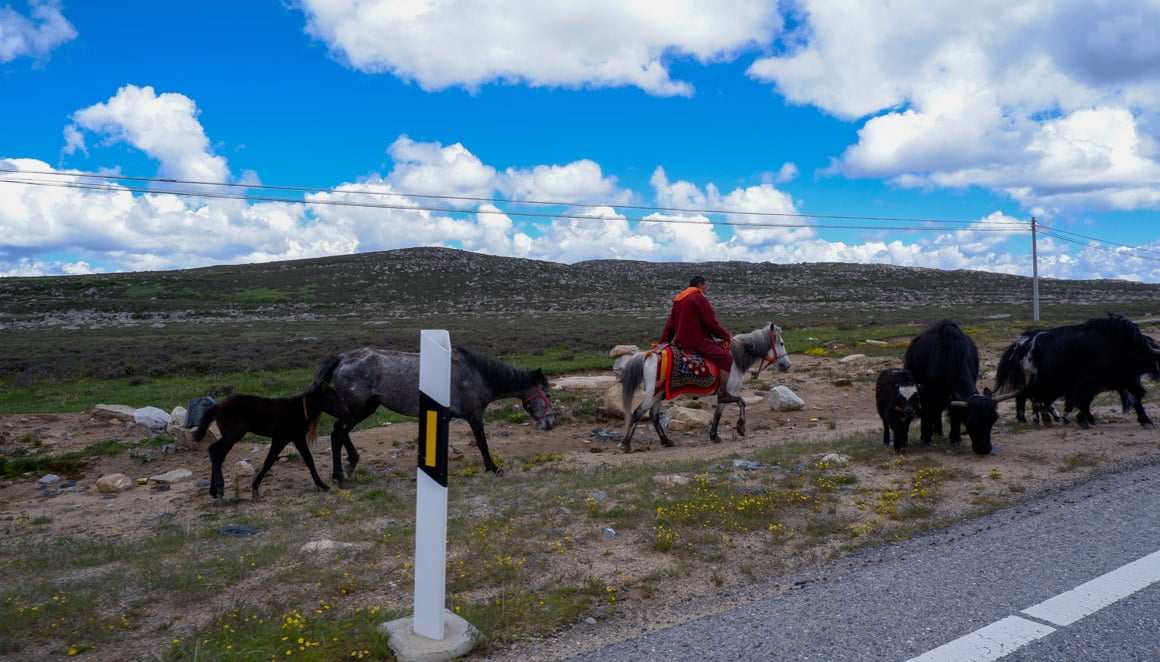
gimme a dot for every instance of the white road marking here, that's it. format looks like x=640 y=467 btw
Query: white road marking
x=1067 y=608
x=988 y=643
x=1002 y=637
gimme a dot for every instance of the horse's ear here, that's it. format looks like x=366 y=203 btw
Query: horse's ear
x=540 y=376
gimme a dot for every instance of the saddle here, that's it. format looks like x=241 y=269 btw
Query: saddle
x=682 y=372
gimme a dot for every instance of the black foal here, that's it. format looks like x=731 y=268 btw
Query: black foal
x=283 y=420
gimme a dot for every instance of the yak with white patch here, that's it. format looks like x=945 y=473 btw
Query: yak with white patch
x=945 y=363
x=1079 y=361
x=897 y=397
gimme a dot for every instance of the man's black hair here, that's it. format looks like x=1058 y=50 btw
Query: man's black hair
x=696 y=281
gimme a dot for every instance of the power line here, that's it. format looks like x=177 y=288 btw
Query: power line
x=1093 y=242
x=245 y=194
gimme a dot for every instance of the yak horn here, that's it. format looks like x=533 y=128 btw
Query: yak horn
x=1007 y=396
x=958 y=403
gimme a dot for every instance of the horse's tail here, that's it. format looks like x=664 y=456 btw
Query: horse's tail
x=207 y=419
x=325 y=371
x=631 y=378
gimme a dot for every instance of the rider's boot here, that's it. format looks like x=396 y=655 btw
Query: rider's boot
x=725 y=397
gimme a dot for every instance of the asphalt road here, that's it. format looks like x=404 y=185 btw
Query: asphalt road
x=1074 y=576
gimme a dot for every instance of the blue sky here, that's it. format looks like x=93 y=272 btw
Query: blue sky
x=913 y=132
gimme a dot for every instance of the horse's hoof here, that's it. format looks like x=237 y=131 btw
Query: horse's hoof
x=715 y=439
x=667 y=442
x=326 y=488
x=344 y=485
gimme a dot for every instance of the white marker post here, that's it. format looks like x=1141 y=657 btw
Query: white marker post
x=431 y=484
x=432 y=632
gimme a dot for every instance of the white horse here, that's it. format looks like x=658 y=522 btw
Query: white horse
x=764 y=344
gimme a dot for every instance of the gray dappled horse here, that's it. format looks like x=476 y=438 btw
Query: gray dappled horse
x=365 y=379
x=764 y=344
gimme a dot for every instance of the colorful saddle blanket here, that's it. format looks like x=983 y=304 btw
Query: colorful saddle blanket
x=682 y=372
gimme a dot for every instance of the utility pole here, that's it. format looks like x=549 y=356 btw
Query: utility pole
x=1034 y=275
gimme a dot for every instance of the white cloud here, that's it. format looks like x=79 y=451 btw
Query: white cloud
x=1052 y=103
x=35 y=35
x=598 y=43
x=163 y=126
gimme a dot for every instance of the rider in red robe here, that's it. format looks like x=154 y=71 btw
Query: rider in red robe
x=692 y=324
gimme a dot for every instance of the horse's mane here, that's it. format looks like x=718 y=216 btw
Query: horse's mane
x=497 y=373
x=757 y=339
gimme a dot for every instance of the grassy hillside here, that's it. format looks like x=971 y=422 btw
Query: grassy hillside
x=285 y=315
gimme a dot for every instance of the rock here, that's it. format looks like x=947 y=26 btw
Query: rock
x=671 y=479
x=324 y=546
x=618 y=366
x=151 y=417
x=177 y=417
x=198 y=409
x=836 y=458
x=614 y=401
x=114 y=483
x=851 y=357
x=49 y=479
x=691 y=418
x=783 y=399
x=239 y=530
x=122 y=413
x=186 y=434
x=243 y=468
x=175 y=476
x=622 y=350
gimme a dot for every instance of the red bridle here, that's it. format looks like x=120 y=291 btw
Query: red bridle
x=539 y=395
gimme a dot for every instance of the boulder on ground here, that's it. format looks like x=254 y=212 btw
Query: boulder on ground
x=114 y=483
x=622 y=350
x=783 y=399
x=122 y=413
x=154 y=418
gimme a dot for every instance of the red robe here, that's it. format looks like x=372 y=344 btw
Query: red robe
x=691 y=324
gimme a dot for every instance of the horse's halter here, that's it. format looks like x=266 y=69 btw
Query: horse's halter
x=538 y=395
x=765 y=360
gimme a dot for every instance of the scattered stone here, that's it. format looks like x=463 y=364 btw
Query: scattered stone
x=671 y=479
x=238 y=531
x=836 y=458
x=622 y=350
x=690 y=418
x=49 y=479
x=609 y=532
x=153 y=418
x=783 y=399
x=120 y=413
x=114 y=483
x=324 y=546
x=177 y=417
x=174 y=476
x=851 y=358
x=600 y=434
x=243 y=468
x=161 y=487
x=843 y=382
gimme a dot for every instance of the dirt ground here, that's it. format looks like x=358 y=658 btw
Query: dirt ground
x=839 y=402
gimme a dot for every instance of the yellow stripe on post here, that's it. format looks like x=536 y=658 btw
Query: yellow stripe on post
x=431 y=443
